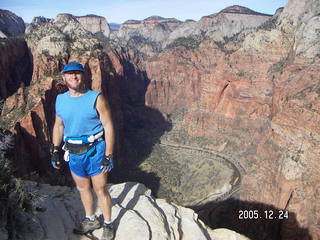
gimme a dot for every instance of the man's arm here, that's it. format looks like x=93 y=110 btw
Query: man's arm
x=104 y=111
x=58 y=130
x=57 y=136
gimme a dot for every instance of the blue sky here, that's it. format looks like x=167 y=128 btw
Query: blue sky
x=122 y=10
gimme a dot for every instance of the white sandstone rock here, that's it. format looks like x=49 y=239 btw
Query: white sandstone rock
x=226 y=234
x=95 y=24
x=300 y=20
x=136 y=215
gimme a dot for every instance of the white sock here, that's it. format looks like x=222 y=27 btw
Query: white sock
x=105 y=222
x=91 y=218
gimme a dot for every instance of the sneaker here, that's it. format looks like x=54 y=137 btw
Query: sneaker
x=87 y=226
x=108 y=232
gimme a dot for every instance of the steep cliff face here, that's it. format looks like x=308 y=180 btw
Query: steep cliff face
x=10 y=24
x=15 y=66
x=161 y=33
x=219 y=27
x=254 y=96
x=233 y=20
x=153 y=29
x=300 y=21
x=95 y=24
x=14 y=60
x=258 y=102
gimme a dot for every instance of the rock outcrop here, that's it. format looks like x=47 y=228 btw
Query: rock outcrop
x=60 y=35
x=299 y=20
x=10 y=24
x=135 y=213
x=152 y=29
x=95 y=24
x=15 y=66
x=219 y=27
x=155 y=33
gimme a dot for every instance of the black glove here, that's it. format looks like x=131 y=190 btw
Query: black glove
x=55 y=160
x=107 y=163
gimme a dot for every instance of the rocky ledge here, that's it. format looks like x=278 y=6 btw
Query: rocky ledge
x=135 y=213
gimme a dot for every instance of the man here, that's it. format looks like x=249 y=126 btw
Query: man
x=82 y=117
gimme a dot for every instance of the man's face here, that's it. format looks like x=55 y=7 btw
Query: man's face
x=73 y=79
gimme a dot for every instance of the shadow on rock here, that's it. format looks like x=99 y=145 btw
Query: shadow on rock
x=134 y=198
x=15 y=66
x=138 y=127
x=255 y=220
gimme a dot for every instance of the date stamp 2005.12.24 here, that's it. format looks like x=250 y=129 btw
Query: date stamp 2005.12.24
x=265 y=214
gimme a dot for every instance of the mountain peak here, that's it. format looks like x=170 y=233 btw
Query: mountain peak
x=241 y=10
x=10 y=24
x=154 y=17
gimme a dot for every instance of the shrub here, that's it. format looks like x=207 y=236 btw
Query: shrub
x=187 y=42
x=279 y=66
x=13 y=197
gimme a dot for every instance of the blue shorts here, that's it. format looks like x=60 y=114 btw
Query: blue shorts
x=88 y=164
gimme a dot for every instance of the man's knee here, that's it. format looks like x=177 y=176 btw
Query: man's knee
x=101 y=191
x=84 y=188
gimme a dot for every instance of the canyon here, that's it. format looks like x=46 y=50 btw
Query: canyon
x=219 y=115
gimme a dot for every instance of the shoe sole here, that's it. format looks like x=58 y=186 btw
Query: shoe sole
x=78 y=232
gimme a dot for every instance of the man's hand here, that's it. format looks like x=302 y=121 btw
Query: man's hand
x=107 y=164
x=55 y=160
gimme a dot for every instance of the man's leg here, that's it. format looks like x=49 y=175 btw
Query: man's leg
x=99 y=183
x=84 y=188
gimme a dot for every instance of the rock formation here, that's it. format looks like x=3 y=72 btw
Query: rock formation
x=95 y=24
x=15 y=66
x=135 y=213
x=218 y=27
x=253 y=96
x=58 y=36
x=152 y=29
x=10 y=24
x=14 y=60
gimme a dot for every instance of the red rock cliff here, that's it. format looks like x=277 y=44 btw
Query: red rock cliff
x=260 y=102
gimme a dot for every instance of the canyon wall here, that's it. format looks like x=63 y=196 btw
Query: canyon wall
x=253 y=95
x=15 y=66
x=10 y=25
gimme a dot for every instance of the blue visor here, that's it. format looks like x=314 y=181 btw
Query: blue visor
x=73 y=66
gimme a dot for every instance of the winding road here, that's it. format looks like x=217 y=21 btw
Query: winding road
x=239 y=171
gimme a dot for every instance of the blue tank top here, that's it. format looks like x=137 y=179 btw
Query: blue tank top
x=79 y=115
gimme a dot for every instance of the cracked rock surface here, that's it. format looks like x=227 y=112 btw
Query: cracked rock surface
x=136 y=213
